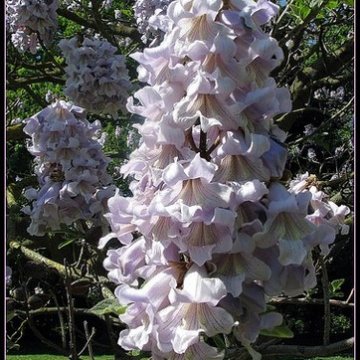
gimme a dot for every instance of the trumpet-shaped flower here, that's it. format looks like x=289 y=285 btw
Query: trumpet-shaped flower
x=219 y=232
x=97 y=78
x=31 y=21
x=71 y=169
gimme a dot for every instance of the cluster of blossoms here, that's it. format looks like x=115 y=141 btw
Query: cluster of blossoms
x=76 y=5
x=210 y=232
x=71 y=169
x=151 y=18
x=31 y=21
x=97 y=78
x=326 y=95
x=323 y=211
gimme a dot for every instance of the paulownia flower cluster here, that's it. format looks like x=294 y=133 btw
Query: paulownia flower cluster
x=71 y=169
x=323 y=211
x=31 y=21
x=97 y=77
x=211 y=232
x=150 y=18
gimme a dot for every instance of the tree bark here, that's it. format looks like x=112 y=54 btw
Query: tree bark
x=308 y=351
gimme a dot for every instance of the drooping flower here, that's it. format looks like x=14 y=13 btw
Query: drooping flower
x=325 y=214
x=150 y=18
x=97 y=77
x=286 y=224
x=31 y=21
x=70 y=166
x=219 y=232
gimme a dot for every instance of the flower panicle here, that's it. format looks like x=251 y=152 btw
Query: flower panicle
x=210 y=232
x=70 y=166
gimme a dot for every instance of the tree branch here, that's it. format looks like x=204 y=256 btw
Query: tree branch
x=15 y=132
x=39 y=259
x=23 y=82
x=75 y=18
x=88 y=341
x=61 y=319
x=305 y=301
x=339 y=58
x=71 y=319
x=302 y=26
x=289 y=118
x=120 y=29
x=273 y=352
x=43 y=339
x=333 y=81
x=327 y=122
x=64 y=309
x=308 y=351
x=99 y=24
x=350 y=296
x=203 y=146
x=325 y=286
x=109 y=328
x=35 y=96
x=303 y=83
x=190 y=139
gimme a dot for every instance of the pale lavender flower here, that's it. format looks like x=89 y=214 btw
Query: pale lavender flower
x=107 y=4
x=309 y=129
x=117 y=15
x=117 y=131
x=31 y=21
x=38 y=290
x=219 y=233
x=73 y=5
x=193 y=310
x=16 y=121
x=197 y=351
x=325 y=214
x=49 y=97
x=312 y=154
x=97 y=77
x=131 y=139
x=70 y=166
x=323 y=210
x=286 y=224
x=144 y=10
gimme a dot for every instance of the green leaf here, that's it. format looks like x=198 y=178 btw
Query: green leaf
x=349 y=2
x=10 y=315
x=65 y=243
x=270 y=307
x=219 y=341
x=281 y=331
x=10 y=196
x=139 y=355
x=108 y=306
x=332 y=4
x=304 y=11
x=315 y=3
x=15 y=132
x=135 y=352
x=336 y=284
